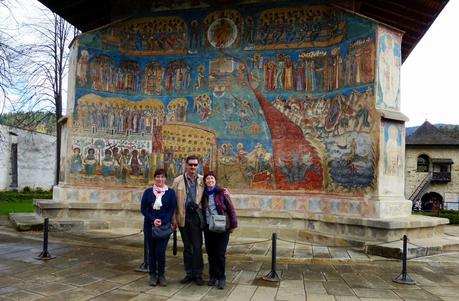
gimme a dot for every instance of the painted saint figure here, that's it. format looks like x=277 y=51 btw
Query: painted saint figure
x=77 y=161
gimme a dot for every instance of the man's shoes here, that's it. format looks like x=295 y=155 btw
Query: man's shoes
x=221 y=284
x=153 y=280
x=212 y=282
x=162 y=281
x=198 y=280
x=186 y=279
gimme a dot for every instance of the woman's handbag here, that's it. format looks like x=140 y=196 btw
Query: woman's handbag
x=217 y=223
x=161 y=232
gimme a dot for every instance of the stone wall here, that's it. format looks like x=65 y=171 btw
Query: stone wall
x=450 y=190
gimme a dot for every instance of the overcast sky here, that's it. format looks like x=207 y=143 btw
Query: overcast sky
x=429 y=78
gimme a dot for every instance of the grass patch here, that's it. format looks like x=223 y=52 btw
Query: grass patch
x=21 y=201
x=452 y=215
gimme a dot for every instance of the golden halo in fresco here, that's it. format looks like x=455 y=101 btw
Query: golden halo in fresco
x=222 y=33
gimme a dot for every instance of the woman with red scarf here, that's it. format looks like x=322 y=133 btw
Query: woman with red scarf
x=157 y=206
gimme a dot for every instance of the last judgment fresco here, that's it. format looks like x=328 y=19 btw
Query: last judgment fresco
x=268 y=98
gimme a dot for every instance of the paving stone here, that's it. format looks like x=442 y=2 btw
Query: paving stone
x=378 y=299
x=442 y=291
x=291 y=290
x=118 y=295
x=244 y=277
x=377 y=282
x=147 y=297
x=22 y=296
x=356 y=280
x=79 y=280
x=264 y=294
x=218 y=294
x=242 y=292
x=314 y=287
x=357 y=255
x=73 y=295
x=314 y=276
x=126 y=278
x=319 y=297
x=417 y=294
x=339 y=253
x=330 y=276
x=375 y=293
x=50 y=288
x=191 y=292
x=100 y=286
x=171 y=289
x=140 y=285
x=338 y=288
x=320 y=252
x=346 y=298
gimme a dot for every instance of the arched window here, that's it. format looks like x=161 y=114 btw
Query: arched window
x=423 y=163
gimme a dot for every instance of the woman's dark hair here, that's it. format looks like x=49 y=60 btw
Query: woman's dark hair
x=160 y=171
x=210 y=173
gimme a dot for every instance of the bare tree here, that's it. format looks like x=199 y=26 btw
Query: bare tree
x=10 y=59
x=46 y=69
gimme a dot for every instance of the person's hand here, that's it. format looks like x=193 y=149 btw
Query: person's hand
x=226 y=192
x=157 y=222
x=174 y=226
x=231 y=230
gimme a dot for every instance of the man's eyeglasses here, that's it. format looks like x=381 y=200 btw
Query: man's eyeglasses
x=192 y=164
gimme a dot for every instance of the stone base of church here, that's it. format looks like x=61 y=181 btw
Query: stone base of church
x=318 y=218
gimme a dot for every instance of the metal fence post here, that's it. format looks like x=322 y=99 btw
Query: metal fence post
x=272 y=275
x=404 y=278
x=44 y=255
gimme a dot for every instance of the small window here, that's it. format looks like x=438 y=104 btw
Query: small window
x=423 y=163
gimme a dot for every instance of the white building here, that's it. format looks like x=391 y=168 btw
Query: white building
x=26 y=159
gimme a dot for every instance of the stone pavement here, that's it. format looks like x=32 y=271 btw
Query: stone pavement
x=103 y=269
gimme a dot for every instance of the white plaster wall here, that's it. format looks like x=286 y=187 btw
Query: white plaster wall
x=36 y=159
x=5 y=165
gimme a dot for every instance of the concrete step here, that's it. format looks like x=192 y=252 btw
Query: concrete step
x=416 y=247
x=24 y=221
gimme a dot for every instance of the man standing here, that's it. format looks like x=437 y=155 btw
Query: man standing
x=189 y=188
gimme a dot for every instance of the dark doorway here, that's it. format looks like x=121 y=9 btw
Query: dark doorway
x=14 y=165
x=432 y=201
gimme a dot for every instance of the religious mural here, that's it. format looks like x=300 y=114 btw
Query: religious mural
x=268 y=98
x=389 y=62
x=393 y=149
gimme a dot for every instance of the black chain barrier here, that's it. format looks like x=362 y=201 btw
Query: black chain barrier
x=404 y=278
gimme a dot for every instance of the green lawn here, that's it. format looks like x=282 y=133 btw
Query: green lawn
x=14 y=201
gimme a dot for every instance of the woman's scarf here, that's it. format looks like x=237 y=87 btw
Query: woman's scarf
x=158 y=192
x=211 y=190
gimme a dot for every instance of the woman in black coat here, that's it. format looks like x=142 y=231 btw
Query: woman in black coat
x=157 y=206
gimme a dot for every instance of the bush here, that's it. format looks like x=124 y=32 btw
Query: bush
x=452 y=215
x=26 y=189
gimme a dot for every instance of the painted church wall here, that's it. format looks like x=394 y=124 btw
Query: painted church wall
x=389 y=63
x=270 y=98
